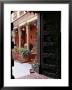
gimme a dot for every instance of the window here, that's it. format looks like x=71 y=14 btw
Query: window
x=14 y=15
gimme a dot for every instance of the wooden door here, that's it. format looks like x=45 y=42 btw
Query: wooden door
x=50 y=60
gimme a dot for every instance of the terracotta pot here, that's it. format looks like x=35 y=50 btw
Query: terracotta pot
x=18 y=57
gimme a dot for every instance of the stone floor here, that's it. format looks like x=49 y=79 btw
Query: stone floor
x=22 y=71
x=34 y=76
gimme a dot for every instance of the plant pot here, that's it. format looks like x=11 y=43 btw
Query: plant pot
x=18 y=57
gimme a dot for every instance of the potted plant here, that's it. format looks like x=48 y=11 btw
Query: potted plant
x=24 y=52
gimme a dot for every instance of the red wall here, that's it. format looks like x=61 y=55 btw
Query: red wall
x=32 y=34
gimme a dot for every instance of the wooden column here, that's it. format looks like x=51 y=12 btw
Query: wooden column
x=27 y=32
x=19 y=32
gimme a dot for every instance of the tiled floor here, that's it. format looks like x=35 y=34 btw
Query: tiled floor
x=34 y=76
